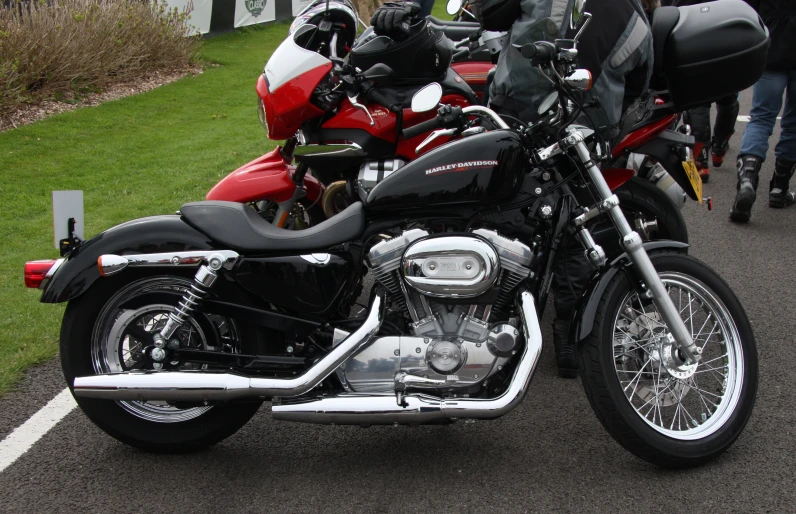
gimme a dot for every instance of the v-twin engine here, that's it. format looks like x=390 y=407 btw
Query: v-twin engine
x=457 y=291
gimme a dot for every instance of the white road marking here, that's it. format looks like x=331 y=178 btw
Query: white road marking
x=24 y=436
x=747 y=119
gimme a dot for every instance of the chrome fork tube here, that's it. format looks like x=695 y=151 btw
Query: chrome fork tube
x=634 y=247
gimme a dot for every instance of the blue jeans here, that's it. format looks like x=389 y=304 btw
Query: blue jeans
x=766 y=104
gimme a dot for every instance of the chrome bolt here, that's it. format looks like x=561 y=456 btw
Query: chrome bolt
x=417 y=350
x=500 y=367
x=546 y=211
x=175 y=260
x=174 y=344
x=538 y=190
x=516 y=332
x=478 y=345
x=432 y=267
x=468 y=267
x=397 y=353
x=648 y=293
x=158 y=354
x=546 y=176
x=475 y=376
x=426 y=340
x=289 y=349
x=157 y=365
x=159 y=342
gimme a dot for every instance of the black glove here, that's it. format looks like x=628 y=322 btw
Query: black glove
x=393 y=19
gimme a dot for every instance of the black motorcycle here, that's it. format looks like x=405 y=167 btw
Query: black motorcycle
x=178 y=327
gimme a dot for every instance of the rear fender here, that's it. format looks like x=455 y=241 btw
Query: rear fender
x=582 y=321
x=157 y=234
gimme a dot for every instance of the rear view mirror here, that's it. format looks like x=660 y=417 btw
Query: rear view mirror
x=453 y=7
x=427 y=98
x=577 y=12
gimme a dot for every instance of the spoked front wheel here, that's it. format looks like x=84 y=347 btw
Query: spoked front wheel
x=659 y=408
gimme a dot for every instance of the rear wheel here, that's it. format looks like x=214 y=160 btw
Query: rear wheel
x=643 y=202
x=660 y=409
x=109 y=329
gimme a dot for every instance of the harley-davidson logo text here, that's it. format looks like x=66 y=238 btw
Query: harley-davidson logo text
x=461 y=166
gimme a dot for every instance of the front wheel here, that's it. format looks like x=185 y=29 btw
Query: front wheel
x=661 y=410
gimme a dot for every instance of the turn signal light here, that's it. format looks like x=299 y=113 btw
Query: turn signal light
x=36 y=272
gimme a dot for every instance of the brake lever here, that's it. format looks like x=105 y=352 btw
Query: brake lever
x=355 y=103
x=434 y=135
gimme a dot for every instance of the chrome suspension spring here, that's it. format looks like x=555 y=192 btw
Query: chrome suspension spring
x=204 y=279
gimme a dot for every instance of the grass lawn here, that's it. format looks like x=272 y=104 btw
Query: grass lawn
x=142 y=155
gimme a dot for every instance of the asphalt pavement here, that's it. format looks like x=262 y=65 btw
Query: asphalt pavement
x=551 y=454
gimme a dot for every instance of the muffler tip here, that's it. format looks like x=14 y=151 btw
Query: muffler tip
x=110 y=264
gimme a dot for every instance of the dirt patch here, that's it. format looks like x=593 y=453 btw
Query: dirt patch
x=28 y=113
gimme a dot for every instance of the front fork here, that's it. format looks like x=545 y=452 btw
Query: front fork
x=632 y=244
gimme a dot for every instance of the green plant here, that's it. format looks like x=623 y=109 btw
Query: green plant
x=68 y=46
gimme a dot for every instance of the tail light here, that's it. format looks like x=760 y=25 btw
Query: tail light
x=36 y=272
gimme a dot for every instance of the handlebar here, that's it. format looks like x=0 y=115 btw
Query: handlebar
x=542 y=51
x=422 y=128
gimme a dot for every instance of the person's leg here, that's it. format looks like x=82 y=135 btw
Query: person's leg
x=779 y=195
x=425 y=8
x=571 y=272
x=726 y=116
x=699 y=120
x=766 y=103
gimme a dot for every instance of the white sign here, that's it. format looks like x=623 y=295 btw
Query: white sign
x=200 y=12
x=67 y=204
x=300 y=5
x=251 y=12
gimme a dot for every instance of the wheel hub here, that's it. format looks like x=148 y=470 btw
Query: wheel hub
x=672 y=360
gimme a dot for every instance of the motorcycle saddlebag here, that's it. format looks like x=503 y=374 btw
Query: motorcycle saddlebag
x=708 y=51
x=496 y=15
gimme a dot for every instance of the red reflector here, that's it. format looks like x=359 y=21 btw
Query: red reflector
x=35 y=271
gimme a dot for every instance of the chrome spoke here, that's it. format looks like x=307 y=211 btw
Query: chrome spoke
x=677 y=405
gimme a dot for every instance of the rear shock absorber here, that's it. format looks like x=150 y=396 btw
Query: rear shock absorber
x=203 y=281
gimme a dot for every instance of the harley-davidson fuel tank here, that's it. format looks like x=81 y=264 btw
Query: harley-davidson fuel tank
x=484 y=168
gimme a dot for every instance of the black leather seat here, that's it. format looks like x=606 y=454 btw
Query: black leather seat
x=239 y=227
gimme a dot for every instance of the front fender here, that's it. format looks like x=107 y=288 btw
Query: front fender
x=582 y=321
x=156 y=234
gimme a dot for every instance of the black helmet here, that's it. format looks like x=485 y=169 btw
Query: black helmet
x=425 y=54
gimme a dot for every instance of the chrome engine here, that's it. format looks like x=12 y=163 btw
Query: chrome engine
x=451 y=286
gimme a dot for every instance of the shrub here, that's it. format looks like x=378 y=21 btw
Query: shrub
x=63 y=47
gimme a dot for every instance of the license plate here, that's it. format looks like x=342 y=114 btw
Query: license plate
x=693 y=176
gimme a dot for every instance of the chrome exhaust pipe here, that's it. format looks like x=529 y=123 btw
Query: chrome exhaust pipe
x=361 y=409
x=199 y=386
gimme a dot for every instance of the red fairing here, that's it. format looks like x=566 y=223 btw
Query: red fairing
x=265 y=178
x=475 y=74
x=289 y=106
x=349 y=117
x=643 y=135
x=615 y=177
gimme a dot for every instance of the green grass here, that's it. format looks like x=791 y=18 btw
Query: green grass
x=137 y=156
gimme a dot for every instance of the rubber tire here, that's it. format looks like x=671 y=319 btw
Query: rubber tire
x=644 y=196
x=605 y=392
x=217 y=424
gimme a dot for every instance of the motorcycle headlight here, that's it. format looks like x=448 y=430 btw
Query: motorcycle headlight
x=261 y=114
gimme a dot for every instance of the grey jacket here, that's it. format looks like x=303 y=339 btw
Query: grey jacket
x=616 y=48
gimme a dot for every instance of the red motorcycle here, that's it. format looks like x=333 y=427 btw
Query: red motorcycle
x=346 y=125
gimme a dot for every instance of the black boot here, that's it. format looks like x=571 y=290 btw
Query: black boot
x=748 y=177
x=718 y=150
x=566 y=353
x=778 y=194
x=701 y=161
